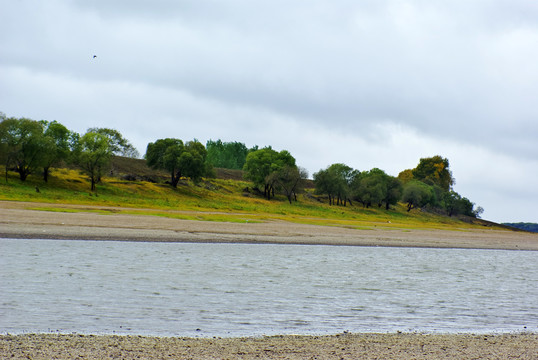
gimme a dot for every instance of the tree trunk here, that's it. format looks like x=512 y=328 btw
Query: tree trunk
x=46 y=174
x=23 y=173
x=175 y=178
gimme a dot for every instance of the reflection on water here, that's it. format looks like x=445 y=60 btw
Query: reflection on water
x=239 y=289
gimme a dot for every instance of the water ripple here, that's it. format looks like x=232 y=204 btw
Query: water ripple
x=238 y=289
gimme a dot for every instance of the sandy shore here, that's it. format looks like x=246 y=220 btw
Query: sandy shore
x=17 y=221
x=344 y=346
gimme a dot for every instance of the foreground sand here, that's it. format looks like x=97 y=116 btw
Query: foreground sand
x=17 y=221
x=345 y=346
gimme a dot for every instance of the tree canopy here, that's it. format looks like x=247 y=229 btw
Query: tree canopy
x=24 y=143
x=261 y=164
x=178 y=159
x=434 y=171
x=93 y=155
x=228 y=155
x=118 y=144
x=57 y=143
x=416 y=194
x=375 y=187
x=336 y=182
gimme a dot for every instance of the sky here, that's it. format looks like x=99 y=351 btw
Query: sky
x=371 y=83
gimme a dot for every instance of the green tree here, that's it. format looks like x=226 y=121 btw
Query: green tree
x=290 y=180
x=455 y=204
x=335 y=182
x=193 y=160
x=394 y=191
x=164 y=154
x=179 y=159
x=228 y=155
x=118 y=144
x=8 y=140
x=24 y=144
x=369 y=188
x=93 y=155
x=434 y=171
x=56 y=145
x=416 y=194
x=376 y=187
x=323 y=183
x=262 y=163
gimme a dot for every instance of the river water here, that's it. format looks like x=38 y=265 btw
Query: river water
x=184 y=289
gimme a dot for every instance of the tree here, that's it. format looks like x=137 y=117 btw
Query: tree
x=228 y=155
x=8 y=140
x=434 y=171
x=336 y=181
x=344 y=176
x=192 y=161
x=179 y=159
x=370 y=188
x=262 y=163
x=394 y=191
x=93 y=154
x=24 y=143
x=376 y=187
x=164 y=154
x=56 y=144
x=289 y=179
x=118 y=144
x=405 y=176
x=416 y=194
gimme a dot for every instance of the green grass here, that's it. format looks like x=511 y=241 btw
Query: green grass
x=211 y=200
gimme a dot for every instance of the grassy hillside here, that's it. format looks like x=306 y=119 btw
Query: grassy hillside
x=133 y=188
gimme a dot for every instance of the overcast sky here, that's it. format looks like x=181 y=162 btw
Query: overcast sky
x=371 y=83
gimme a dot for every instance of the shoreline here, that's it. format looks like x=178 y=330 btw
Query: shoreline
x=339 y=346
x=25 y=220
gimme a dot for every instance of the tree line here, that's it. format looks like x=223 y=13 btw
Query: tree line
x=430 y=185
x=28 y=146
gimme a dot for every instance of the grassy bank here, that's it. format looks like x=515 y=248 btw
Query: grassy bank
x=225 y=198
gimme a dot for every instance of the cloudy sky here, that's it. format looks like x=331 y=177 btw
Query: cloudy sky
x=371 y=83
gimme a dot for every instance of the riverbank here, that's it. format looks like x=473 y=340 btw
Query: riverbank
x=343 y=346
x=82 y=222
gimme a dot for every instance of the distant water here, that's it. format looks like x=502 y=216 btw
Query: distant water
x=170 y=289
